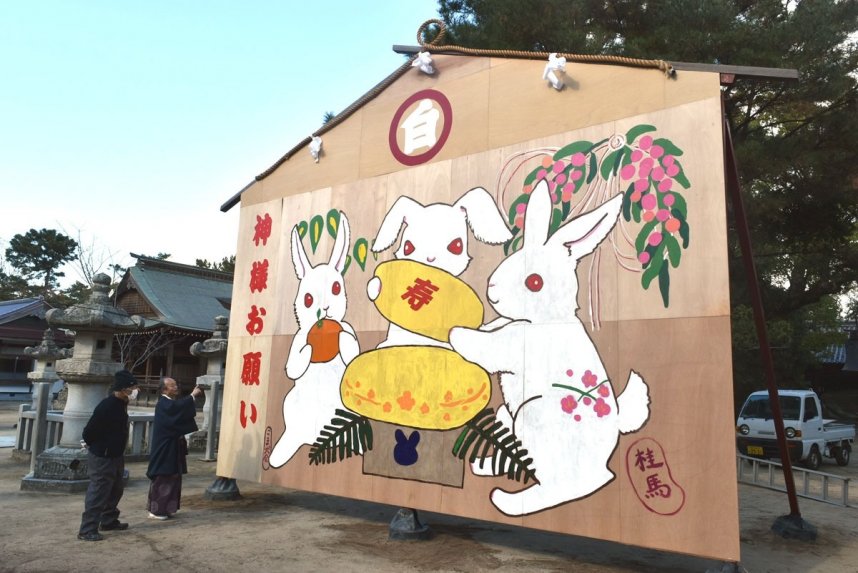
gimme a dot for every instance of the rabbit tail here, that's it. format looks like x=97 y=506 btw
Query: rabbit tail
x=633 y=405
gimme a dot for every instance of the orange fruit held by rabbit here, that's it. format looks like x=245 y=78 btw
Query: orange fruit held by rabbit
x=324 y=339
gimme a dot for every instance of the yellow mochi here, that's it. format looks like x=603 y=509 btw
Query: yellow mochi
x=426 y=300
x=416 y=386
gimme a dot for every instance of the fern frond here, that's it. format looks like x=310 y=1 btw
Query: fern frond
x=347 y=434
x=484 y=431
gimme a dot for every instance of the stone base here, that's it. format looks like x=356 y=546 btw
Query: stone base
x=63 y=464
x=198 y=440
x=30 y=483
x=406 y=526
x=794 y=527
x=223 y=489
x=21 y=455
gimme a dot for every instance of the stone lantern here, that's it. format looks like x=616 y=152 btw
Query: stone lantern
x=43 y=376
x=88 y=374
x=214 y=351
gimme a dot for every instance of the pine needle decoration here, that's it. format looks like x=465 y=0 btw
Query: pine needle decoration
x=347 y=434
x=484 y=431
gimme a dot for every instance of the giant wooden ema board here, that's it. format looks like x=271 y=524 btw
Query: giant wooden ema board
x=503 y=301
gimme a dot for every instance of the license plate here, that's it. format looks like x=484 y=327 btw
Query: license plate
x=755 y=450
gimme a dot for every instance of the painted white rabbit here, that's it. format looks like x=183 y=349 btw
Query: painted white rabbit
x=312 y=401
x=436 y=235
x=557 y=397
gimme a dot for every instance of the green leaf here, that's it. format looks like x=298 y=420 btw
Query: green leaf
x=681 y=178
x=347 y=434
x=674 y=253
x=521 y=199
x=348 y=264
x=302 y=229
x=684 y=229
x=556 y=220
x=484 y=431
x=567 y=207
x=636 y=212
x=627 y=202
x=593 y=168
x=315 y=230
x=360 y=251
x=655 y=264
x=668 y=146
x=679 y=204
x=608 y=163
x=664 y=284
x=573 y=148
x=332 y=221
x=637 y=131
x=532 y=176
x=646 y=230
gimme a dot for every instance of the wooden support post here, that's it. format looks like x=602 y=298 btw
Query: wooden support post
x=740 y=218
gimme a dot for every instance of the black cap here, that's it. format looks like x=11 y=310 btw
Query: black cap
x=123 y=379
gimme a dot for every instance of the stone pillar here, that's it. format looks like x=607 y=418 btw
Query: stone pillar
x=88 y=375
x=214 y=351
x=43 y=376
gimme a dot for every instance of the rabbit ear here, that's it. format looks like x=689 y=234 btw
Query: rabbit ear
x=403 y=208
x=537 y=216
x=299 y=255
x=483 y=217
x=583 y=234
x=341 y=244
x=414 y=438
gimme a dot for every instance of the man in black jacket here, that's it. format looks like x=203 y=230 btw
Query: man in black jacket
x=105 y=437
x=174 y=417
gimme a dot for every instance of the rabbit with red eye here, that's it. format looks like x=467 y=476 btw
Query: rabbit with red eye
x=558 y=399
x=436 y=235
x=321 y=349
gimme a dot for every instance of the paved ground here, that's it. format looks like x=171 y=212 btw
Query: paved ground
x=274 y=529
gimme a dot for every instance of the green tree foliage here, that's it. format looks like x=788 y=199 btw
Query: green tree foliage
x=38 y=255
x=795 y=141
x=226 y=264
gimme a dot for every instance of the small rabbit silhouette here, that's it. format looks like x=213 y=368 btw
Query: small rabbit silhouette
x=313 y=400
x=557 y=397
x=405 y=450
x=436 y=235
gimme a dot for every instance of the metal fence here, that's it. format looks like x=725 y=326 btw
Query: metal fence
x=139 y=431
x=819 y=486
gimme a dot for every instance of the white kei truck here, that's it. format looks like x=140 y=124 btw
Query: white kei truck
x=809 y=436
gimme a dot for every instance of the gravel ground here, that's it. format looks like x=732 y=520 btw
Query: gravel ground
x=275 y=529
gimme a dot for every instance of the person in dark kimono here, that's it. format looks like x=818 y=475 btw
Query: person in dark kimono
x=174 y=417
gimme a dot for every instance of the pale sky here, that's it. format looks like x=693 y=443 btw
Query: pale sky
x=130 y=123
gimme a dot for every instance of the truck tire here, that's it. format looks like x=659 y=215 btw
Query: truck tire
x=814 y=459
x=841 y=454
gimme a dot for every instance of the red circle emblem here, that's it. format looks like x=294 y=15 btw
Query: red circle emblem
x=421 y=127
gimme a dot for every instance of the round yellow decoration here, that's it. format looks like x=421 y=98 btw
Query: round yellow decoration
x=426 y=300
x=416 y=386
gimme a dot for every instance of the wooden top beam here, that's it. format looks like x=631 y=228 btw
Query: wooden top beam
x=745 y=72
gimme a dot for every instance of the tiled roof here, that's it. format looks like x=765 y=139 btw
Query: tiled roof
x=183 y=296
x=14 y=309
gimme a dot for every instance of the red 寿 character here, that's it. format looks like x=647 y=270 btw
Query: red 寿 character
x=420 y=293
